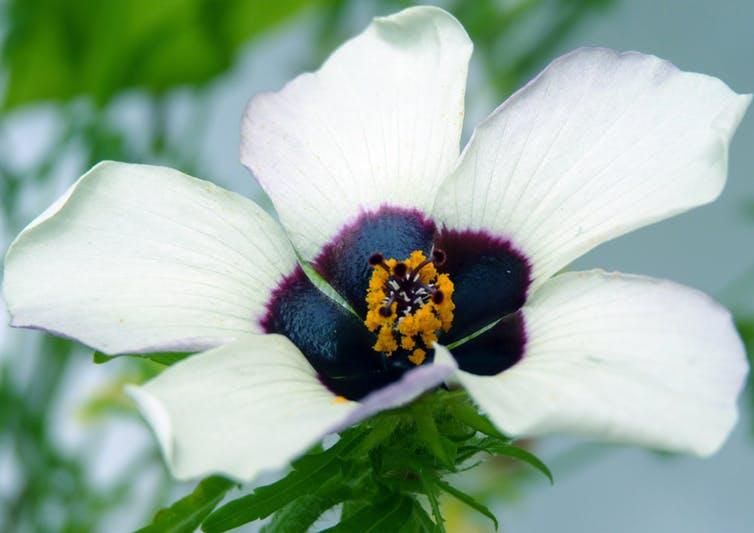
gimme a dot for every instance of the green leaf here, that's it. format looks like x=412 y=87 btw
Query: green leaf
x=309 y=473
x=745 y=326
x=521 y=454
x=163 y=358
x=185 y=515
x=389 y=514
x=431 y=491
x=426 y=431
x=469 y=415
x=468 y=500
x=266 y=500
x=419 y=521
x=301 y=513
x=382 y=429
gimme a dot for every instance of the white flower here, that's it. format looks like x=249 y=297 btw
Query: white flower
x=361 y=160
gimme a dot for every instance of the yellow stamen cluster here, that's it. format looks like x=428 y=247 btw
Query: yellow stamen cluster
x=409 y=325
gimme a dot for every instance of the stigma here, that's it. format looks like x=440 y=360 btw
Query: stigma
x=408 y=304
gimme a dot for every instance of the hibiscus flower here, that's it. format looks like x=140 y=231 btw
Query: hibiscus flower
x=400 y=264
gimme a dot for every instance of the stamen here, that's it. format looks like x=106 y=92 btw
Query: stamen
x=409 y=305
x=439 y=257
x=378 y=260
x=415 y=272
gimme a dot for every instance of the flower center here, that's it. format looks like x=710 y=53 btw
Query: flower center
x=408 y=304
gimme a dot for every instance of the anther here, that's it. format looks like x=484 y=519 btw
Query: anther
x=439 y=257
x=407 y=307
x=378 y=260
x=415 y=272
x=438 y=297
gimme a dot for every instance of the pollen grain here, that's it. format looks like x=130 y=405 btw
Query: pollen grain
x=409 y=303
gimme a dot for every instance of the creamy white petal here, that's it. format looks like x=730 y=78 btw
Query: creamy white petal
x=138 y=258
x=254 y=405
x=599 y=144
x=620 y=358
x=240 y=409
x=378 y=124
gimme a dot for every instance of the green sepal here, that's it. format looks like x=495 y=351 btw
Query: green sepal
x=380 y=430
x=509 y=450
x=163 y=358
x=185 y=515
x=301 y=513
x=428 y=434
x=469 y=415
x=309 y=473
x=431 y=491
x=468 y=500
x=393 y=513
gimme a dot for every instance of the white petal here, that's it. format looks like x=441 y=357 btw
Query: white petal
x=138 y=258
x=378 y=124
x=238 y=410
x=597 y=145
x=621 y=358
x=254 y=405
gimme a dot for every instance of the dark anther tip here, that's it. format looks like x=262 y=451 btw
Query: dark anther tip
x=386 y=311
x=438 y=256
x=438 y=297
x=376 y=259
x=400 y=270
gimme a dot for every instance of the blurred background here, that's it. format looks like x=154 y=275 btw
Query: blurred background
x=166 y=82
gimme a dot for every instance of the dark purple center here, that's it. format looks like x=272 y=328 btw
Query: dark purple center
x=491 y=280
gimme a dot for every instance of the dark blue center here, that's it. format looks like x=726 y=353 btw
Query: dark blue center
x=491 y=281
x=491 y=278
x=392 y=232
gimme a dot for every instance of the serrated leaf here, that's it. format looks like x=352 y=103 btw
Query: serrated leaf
x=468 y=500
x=521 y=454
x=268 y=499
x=379 y=433
x=419 y=521
x=163 y=358
x=389 y=514
x=309 y=474
x=469 y=415
x=300 y=514
x=434 y=502
x=185 y=515
x=426 y=431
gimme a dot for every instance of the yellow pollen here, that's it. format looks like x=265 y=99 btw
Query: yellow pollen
x=340 y=400
x=418 y=356
x=386 y=342
x=408 y=307
x=407 y=343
